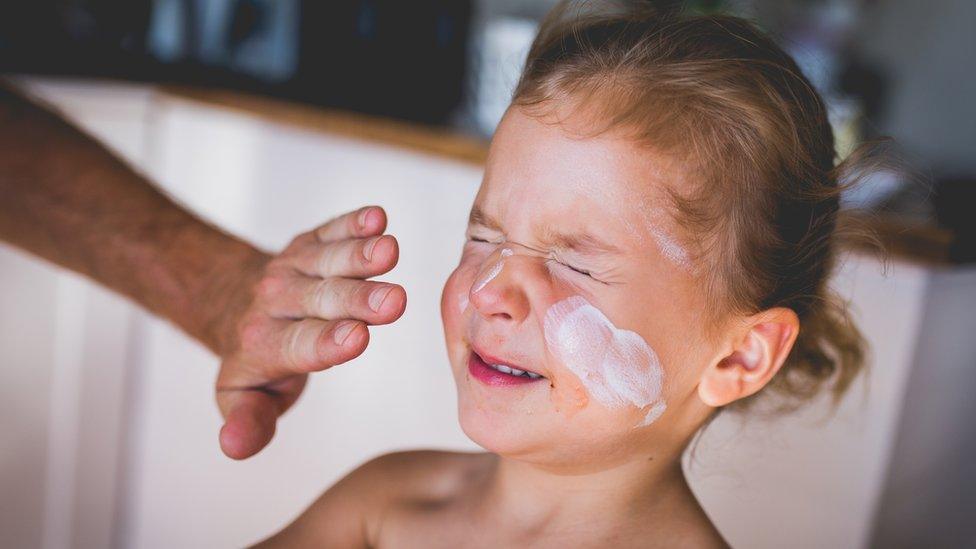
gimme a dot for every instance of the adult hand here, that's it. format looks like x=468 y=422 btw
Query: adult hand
x=272 y=319
x=304 y=310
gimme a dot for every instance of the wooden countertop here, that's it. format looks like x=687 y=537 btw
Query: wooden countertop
x=902 y=238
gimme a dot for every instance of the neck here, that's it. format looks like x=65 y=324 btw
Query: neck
x=540 y=498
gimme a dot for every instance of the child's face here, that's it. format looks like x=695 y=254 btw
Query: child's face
x=573 y=272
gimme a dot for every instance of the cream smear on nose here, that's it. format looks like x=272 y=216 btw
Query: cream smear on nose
x=616 y=366
x=495 y=270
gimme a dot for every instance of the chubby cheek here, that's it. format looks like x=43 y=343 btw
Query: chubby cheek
x=600 y=365
x=567 y=392
x=454 y=303
x=451 y=311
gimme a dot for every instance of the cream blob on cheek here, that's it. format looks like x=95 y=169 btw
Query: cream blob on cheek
x=617 y=367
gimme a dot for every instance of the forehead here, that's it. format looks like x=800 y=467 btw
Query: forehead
x=540 y=170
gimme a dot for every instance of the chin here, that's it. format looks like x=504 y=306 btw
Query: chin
x=497 y=432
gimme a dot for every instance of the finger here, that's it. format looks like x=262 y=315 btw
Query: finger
x=355 y=258
x=274 y=348
x=334 y=298
x=312 y=345
x=250 y=418
x=368 y=221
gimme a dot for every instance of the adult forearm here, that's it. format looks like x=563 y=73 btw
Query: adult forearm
x=66 y=198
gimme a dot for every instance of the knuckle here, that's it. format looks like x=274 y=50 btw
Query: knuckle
x=321 y=234
x=352 y=221
x=292 y=350
x=323 y=294
x=252 y=332
x=269 y=287
x=359 y=253
x=290 y=257
x=326 y=258
x=324 y=230
x=301 y=239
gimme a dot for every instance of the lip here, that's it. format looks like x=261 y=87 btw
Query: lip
x=479 y=369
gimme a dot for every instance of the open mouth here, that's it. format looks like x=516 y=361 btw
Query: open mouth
x=495 y=372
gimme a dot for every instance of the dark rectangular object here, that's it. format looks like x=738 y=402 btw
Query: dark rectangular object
x=391 y=58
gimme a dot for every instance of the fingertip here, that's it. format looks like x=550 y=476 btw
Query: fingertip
x=349 y=340
x=394 y=304
x=244 y=433
x=372 y=220
x=402 y=296
x=385 y=253
x=232 y=443
x=357 y=338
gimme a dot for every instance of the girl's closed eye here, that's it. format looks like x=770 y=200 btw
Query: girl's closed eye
x=578 y=270
x=482 y=238
x=574 y=268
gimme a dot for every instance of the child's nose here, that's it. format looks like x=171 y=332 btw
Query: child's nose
x=496 y=293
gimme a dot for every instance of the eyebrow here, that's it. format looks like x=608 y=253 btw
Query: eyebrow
x=578 y=242
x=480 y=217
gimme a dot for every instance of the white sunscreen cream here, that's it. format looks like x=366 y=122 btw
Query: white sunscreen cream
x=668 y=245
x=495 y=270
x=616 y=366
x=670 y=248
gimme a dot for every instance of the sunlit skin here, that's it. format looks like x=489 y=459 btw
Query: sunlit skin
x=566 y=206
x=563 y=468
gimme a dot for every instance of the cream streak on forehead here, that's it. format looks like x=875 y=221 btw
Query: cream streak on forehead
x=669 y=247
x=609 y=170
x=617 y=367
x=652 y=219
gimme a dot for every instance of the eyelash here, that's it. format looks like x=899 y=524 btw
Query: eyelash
x=577 y=270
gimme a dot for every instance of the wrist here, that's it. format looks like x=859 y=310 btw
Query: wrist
x=226 y=296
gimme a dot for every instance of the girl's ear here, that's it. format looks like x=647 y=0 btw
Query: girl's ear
x=754 y=360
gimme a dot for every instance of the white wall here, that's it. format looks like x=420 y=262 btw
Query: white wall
x=813 y=478
x=63 y=368
x=140 y=465
x=930 y=495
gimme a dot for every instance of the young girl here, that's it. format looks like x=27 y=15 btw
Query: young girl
x=651 y=243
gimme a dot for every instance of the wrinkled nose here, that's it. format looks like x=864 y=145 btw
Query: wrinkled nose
x=496 y=293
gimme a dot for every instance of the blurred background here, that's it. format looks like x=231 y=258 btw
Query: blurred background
x=269 y=116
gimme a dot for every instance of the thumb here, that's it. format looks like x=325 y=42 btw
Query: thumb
x=249 y=421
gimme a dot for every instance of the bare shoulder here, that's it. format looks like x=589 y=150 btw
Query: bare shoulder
x=348 y=514
x=419 y=474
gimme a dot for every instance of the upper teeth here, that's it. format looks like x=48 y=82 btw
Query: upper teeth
x=514 y=371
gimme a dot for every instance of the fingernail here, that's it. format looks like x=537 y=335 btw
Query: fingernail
x=368 y=249
x=378 y=296
x=362 y=217
x=343 y=330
